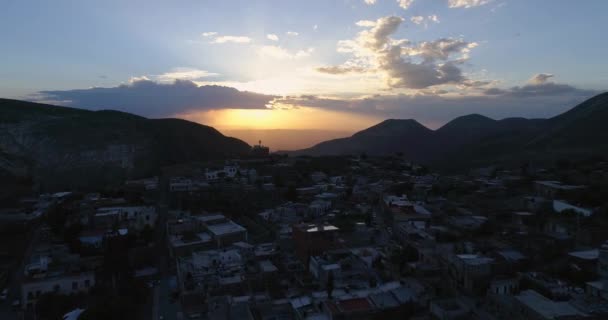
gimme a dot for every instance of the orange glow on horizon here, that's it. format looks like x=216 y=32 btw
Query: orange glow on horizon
x=299 y=118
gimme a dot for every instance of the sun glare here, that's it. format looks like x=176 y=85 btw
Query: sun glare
x=300 y=118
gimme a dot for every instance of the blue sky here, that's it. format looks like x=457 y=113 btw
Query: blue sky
x=326 y=63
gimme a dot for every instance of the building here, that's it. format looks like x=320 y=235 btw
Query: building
x=450 y=309
x=313 y=239
x=533 y=305
x=560 y=206
x=223 y=231
x=53 y=270
x=553 y=189
x=599 y=288
x=471 y=272
x=136 y=217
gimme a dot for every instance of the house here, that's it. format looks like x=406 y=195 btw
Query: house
x=318 y=176
x=533 y=305
x=471 y=272
x=355 y=308
x=313 y=239
x=560 y=206
x=136 y=217
x=450 y=309
x=51 y=269
x=223 y=231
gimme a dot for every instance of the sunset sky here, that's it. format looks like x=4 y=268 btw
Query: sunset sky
x=334 y=67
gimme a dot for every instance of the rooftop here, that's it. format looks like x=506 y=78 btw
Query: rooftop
x=225 y=228
x=546 y=307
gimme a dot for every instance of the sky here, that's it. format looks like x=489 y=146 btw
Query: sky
x=327 y=67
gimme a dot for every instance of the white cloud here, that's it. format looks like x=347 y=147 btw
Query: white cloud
x=405 y=4
x=231 y=39
x=540 y=78
x=184 y=74
x=208 y=34
x=467 y=3
x=424 y=20
x=369 y=1
x=272 y=37
x=417 y=19
x=315 y=27
x=402 y=63
x=292 y=33
x=365 y=23
x=277 y=52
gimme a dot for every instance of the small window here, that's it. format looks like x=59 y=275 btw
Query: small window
x=87 y=283
x=56 y=288
x=74 y=285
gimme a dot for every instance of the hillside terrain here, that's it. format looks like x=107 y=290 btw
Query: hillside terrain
x=476 y=140
x=66 y=146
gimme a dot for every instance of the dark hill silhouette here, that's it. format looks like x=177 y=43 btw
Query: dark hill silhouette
x=473 y=140
x=68 y=145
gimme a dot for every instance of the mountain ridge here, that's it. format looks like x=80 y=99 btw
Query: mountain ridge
x=56 y=144
x=477 y=140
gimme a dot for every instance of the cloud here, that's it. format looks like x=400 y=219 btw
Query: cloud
x=272 y=37
x=340 y=69
x=369 y=2
x=540 y=86
x=440 y=49
x=433 y=18
x=417 y=19
x=467 y=3
x=540 y=78
x=365 y=23
x=231 y=39
x=277 y=52
x=404 y=64
x=184 y=74
x=154 y=99
x=425 y=20
x=292 y=33
x=405 y=4
x=436 y=107
x=208 y=34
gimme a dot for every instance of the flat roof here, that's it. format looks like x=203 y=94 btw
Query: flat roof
x=315 y=228
x=558 y=185
x=546 y=307
x=225 y=228
x=586 y=254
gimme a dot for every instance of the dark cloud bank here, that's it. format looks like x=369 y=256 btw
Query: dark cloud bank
x=539 y=98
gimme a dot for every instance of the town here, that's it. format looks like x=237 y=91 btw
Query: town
x=345 y=237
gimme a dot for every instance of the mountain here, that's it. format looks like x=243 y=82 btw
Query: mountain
x=389 y=136
x=473 y=140
x=67 y=146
